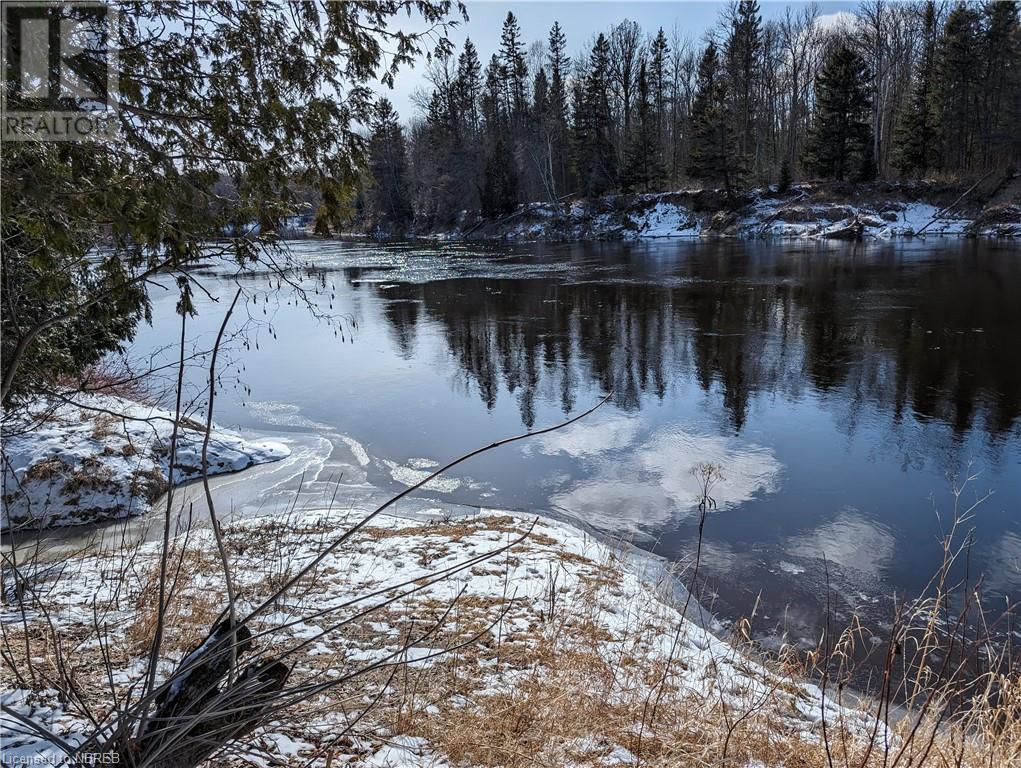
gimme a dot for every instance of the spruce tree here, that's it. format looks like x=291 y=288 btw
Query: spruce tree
x=712 y=151
x=558 y=64
x=469 y=88
x=596 y=157
x=493 y=113
x=1001 y=84
x=644 y=168
x=388 y=164
x=958 y=90
x=659 y=53
x=557 y=128
x=916 y=137
x=743 y=58
x=514 y=70
x=500 y=180
x=839 y=143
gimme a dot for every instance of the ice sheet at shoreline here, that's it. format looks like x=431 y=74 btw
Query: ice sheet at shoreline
x=105 y=457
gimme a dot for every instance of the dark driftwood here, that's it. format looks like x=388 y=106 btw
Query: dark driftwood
x=204 y=707
x=853 y=231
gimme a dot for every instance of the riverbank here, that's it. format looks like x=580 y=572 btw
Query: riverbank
x=805 y=211
x=453 y=643
x=570 y=638
x=102 y=457
x=822 y=210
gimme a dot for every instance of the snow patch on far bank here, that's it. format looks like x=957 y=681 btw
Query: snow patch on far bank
x=806 y=211
x=105 y=457
x=663 y=220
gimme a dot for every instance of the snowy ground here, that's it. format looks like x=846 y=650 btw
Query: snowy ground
x=798 y=214
x=105 y=457
x=559 y=633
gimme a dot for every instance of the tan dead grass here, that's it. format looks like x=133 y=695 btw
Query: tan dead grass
x=556 y=686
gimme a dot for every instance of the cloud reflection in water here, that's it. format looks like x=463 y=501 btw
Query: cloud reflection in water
x=637 y=478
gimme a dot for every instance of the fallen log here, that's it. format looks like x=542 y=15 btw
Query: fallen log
x=204 y=706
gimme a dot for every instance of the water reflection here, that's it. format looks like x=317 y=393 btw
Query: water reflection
x=633 y=477
x=926 y=337
x=837 y=384
x=851 y=541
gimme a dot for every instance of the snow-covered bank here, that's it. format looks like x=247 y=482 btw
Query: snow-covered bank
x=106 y=457
x=805 y=211
x=557 y=617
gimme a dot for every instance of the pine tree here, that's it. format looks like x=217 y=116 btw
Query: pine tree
x=743 y=57
x=711 y=155
x=500 y=181
x=595 y=154
x=469 y=87
x=389 y=167
x=959 y=72
x=659 y=53
x=514 y=70
x=644 y=168
x=839 y=143
x=916 y=138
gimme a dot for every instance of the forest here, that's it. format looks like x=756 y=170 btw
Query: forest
x=893 y=91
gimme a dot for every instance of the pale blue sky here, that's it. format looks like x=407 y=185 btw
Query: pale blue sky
x=581 y=20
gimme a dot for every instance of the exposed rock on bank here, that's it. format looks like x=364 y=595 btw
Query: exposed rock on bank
x=842 y=211
x=105 y=457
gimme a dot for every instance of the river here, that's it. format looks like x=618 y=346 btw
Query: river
x=840 y=388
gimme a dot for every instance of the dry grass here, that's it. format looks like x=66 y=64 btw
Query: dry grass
x=46 y=469
x=191 y=608
x=551 y=683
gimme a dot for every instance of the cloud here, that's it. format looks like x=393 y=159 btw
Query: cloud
x=1003 y=567
x=590 y=437
x=850 y=540
x=651 y=482
x=840 y=21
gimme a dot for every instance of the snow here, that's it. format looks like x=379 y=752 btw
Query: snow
x=663 y=220
x=103 y=457
x=789 y=216
x=631 y=590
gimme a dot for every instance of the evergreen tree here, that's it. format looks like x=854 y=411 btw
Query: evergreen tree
x=558 y=65
x=1001 y=84
x=514 y=70
x=389 y=167
x=541 y=116
x=659 y=53
x=743 y=57
x=958 y=91
x=916 y=138
x=784 y=184
x=711 y=155
x=500 y=181
x=596 y=157
x=469 y=87
x=493 y=113
x=839 y=143
x=557 y=128
x=644 y=165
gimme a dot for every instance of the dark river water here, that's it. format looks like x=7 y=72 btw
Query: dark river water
x=841 y=388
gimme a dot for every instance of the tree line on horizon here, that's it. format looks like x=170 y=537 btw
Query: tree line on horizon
x=894 y=90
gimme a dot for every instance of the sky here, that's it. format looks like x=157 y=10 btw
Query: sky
x=581 y=21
